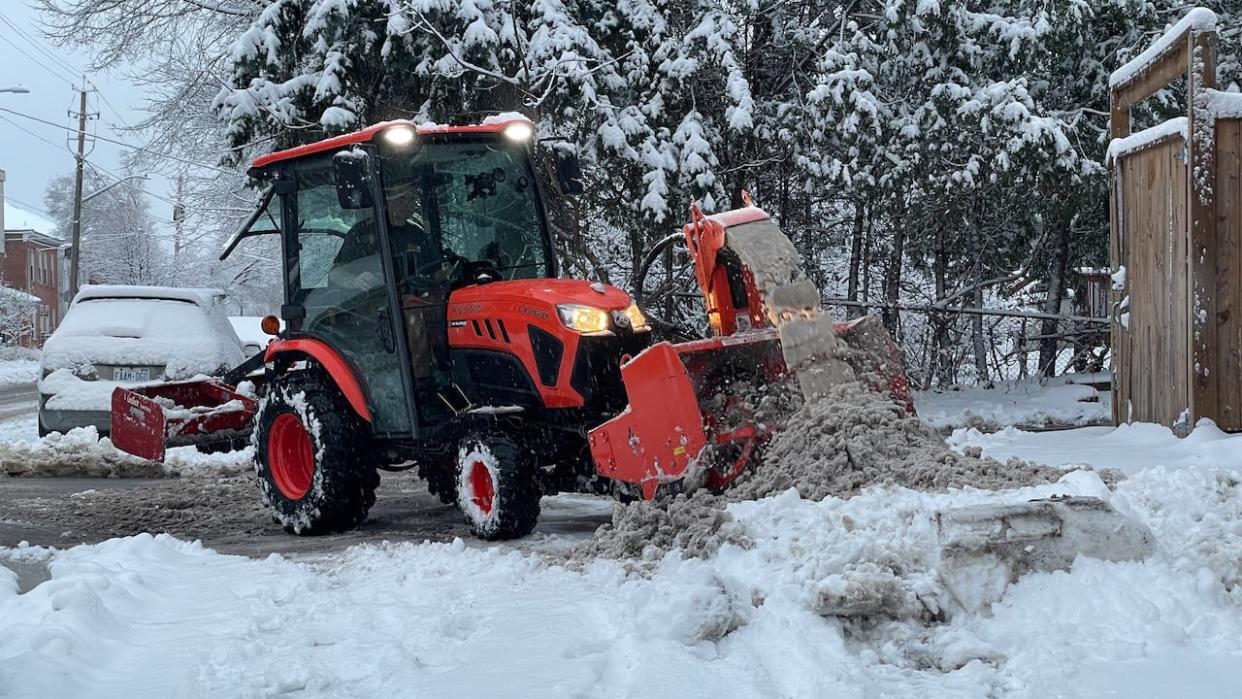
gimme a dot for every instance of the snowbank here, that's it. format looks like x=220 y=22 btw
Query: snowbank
x=82 y=452
x=18 y=371
x=1129 y=448
x=156 y=616
x=1060 y=401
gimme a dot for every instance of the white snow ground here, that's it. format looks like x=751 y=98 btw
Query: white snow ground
x=154 y=616
x=148 y=616
x=1064 y=401
x=1130 y=448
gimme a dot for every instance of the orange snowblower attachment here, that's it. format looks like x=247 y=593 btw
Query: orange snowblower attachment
x=700 y=411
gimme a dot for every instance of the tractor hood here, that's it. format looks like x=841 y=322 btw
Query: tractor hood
x=543 y=293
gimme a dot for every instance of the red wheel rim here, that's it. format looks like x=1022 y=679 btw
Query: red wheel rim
x=290 y=456
x=483 y=491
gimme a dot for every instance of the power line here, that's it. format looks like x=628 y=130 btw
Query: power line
x=58 y=146
x=118 y=178
x=32 y=207
x=141 y=149
x=99 y=168
x=94 y=166
x=38 y=46
x=35 y=60
x=111 y=107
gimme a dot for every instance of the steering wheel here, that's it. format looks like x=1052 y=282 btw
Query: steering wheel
x=427 y=273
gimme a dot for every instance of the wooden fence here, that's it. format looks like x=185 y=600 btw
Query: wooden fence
x=1176 y=222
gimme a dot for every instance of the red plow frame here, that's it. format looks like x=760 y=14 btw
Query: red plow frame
x=149 y=419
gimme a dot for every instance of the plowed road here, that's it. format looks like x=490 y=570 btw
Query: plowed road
x=18 y=400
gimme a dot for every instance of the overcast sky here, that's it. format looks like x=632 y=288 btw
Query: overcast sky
x=33 y=157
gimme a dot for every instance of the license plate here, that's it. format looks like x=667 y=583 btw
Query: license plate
x=132 y=374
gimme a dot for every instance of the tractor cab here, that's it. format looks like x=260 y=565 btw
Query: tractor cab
x=381 y=227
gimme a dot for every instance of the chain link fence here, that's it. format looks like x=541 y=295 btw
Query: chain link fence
x=976 y=346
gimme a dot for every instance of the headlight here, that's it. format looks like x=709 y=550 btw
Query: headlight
x=584 y=319
x=635 y=319
x=519 y=131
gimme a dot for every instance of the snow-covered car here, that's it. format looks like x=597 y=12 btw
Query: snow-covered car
x=126 y=336
x=250 y=330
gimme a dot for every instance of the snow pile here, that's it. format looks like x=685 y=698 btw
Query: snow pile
x=83 y=453
x=79 y=453
x=1128 y=448
x=18 y=371
x=157 y=616
x=1064 y=400
x=835 y=446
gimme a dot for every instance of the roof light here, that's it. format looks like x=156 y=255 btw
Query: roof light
x=399 y=136
x=519 y=131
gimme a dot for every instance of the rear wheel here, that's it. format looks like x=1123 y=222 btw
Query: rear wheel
x=315 y=467
x=496 y=486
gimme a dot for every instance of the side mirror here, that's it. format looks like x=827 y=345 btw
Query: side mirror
x=568 y=169
x=353 y=178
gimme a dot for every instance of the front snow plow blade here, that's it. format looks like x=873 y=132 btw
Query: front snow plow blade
x=700 y=412
x=149 y=419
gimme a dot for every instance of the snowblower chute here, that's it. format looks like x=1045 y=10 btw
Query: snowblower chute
x=700 y=411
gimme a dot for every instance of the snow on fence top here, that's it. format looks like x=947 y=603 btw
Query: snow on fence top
x=1224 y=105
x=1137 y=141
x=1200 y=18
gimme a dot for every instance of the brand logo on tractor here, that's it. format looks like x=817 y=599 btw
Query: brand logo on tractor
x=536 y=312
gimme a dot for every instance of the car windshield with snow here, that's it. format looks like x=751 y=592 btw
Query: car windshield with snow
x=123 y=336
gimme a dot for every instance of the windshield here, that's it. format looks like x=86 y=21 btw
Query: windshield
x=476 y=200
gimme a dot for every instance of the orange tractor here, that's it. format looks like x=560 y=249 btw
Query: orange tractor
x=425 y=326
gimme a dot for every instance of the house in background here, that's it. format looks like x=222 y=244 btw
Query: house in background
x=33 y=261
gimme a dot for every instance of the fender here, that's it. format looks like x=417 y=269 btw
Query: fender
x=332 y=361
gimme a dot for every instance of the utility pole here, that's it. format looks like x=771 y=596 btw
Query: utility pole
x=75 y=248
x=179 y=217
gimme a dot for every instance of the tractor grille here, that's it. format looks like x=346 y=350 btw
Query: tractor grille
x=597 y=369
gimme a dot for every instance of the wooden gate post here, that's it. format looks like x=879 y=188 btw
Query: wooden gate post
x=1204 y=374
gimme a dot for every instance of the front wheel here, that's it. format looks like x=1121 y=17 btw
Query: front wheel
x=312 y=456
x=496 y=486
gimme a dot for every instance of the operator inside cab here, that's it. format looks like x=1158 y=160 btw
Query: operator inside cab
x=425 y=276
x=458 y=214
